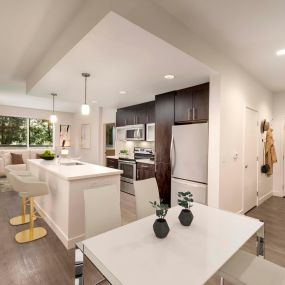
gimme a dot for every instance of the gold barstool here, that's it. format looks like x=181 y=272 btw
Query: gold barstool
x=30 y=187
x=24 y=218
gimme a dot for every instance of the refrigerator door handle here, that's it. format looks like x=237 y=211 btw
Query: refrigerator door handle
x=172 y=157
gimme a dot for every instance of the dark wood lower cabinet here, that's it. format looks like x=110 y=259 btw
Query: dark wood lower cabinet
x=112 y=163
x=145 y=171
x=163 y=178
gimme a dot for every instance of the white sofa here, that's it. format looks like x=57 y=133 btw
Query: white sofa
x=5 y=158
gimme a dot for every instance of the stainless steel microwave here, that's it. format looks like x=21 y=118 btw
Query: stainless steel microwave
x=135 y=133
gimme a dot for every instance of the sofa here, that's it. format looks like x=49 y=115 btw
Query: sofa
x=5 y=158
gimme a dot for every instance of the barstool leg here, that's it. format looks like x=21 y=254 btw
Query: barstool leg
x=32 y=233
x=24 y=218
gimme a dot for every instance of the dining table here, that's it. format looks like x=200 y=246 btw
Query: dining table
x=133 y=255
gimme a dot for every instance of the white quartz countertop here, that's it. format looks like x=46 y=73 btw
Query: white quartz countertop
x=73 y=172
x=112 y=156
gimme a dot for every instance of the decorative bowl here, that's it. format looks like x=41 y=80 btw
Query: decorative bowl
x=48 y=157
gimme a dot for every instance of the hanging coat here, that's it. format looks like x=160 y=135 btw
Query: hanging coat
x=270 y=153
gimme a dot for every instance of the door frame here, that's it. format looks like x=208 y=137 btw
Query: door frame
x=243 y=155
x=282 y=192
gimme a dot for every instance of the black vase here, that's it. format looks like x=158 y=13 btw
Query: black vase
x=186 y=217
x=161 y=228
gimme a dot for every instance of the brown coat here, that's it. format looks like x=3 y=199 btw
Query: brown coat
x=270 y=153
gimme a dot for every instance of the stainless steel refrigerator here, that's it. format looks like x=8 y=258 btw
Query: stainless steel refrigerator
x=189 y=161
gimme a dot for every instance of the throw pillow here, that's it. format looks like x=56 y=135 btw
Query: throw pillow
x=38 y=155
x=17 y=158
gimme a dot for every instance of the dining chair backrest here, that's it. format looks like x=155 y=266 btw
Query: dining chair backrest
x=145 y=191
x=102 y=209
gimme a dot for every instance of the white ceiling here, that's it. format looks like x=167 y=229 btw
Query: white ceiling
x=250 y=32
x=120 y=56
x=27 y=30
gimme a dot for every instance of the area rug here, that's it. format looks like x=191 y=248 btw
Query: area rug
x=4 y=185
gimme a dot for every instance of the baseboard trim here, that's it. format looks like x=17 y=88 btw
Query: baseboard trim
x=278 y=193
x=67 y=242
x=240 y=212
x=264 y=198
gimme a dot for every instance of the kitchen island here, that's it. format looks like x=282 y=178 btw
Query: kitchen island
x=63 y=207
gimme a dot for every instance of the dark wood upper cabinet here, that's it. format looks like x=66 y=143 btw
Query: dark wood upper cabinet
x=150 y=112
x=136 y=114
x=183 y=105
x=192 y=104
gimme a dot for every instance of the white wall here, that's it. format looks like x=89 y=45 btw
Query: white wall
x=238 y=92
x=278 y=127
x=94 y=120
x=64 y=118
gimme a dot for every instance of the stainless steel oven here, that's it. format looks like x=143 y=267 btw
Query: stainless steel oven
x=128 y=166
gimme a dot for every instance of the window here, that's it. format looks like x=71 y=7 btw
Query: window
x=40 y=132
x=13 y=131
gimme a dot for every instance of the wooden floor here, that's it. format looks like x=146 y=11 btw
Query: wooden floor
x=46 y=261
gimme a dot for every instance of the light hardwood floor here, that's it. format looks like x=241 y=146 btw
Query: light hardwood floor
x=46 y=261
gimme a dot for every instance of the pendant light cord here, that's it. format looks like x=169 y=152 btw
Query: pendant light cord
x=53 y=95
x=53 y=104
x=85 y=88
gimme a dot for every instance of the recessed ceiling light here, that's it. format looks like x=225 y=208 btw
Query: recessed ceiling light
x=169 y=76
x=281 y=52
x=122 y=92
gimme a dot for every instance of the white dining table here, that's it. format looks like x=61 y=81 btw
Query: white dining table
x=133 y=255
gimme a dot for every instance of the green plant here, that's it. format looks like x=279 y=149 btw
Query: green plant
x=48 y=153
x=185 y=199
x=160 y=209
x=124 y=151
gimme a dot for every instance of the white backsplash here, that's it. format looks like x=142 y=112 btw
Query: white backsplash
x=129 y=145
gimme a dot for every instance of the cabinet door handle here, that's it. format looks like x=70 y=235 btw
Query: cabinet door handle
x=193 y=114
x=125 y=122
x=188 y=114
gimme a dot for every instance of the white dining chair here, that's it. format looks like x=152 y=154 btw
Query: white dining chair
x=102 y=210
x=145 y=191
x=245 y=268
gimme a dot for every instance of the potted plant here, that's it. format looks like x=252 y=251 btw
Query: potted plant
x=185 y=200
x=160 y=226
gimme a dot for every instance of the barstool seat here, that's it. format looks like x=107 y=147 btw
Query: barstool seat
x=29 y=187
x=24 y=218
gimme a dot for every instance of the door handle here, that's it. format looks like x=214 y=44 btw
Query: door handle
x=194 y=113
x=188 y=114
x=172 y=158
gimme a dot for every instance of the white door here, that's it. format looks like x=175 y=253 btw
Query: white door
x=250 y=159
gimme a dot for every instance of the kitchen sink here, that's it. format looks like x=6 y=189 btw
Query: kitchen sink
x=71 y=163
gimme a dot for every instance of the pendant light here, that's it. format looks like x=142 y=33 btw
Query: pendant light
x=53 y=117
x=85 y=108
